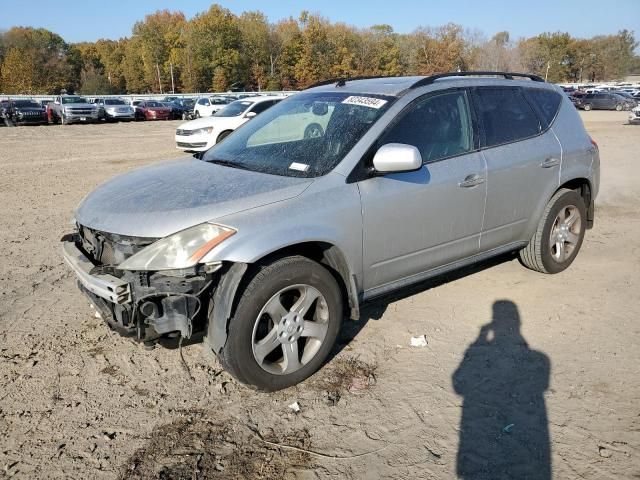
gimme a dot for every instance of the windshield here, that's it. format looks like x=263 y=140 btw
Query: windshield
x=305 y=135
x=154 y=104
x=74 y=100
x=26 y=103
x=233 y=109
x=114 y=101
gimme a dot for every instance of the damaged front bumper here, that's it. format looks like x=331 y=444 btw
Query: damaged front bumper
x=144 y=305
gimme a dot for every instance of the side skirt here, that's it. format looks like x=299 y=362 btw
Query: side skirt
x=419 y=277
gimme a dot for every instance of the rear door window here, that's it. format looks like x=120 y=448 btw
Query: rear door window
x=546 y=102
x=505 y=115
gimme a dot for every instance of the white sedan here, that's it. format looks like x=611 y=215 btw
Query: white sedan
x=202 y=133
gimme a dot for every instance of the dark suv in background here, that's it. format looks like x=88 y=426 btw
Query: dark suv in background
x=605 y=101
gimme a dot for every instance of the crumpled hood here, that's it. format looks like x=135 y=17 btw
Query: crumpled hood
x=162 y=199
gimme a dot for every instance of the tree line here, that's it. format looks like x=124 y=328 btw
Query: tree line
x=217 y=51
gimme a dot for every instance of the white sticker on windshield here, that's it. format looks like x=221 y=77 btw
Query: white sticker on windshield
x=365 y=102
x=301 y=167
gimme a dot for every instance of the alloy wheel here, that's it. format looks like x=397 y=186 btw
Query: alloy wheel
x=565 y=233
x=290 y=329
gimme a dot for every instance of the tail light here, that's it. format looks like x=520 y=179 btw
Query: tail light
x=593 y=142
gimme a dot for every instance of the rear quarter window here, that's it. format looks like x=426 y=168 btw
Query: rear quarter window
x=546 y=102
x=506 y=116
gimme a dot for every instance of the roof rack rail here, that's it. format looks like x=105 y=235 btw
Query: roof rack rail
x=341 y=81
x=507 y=75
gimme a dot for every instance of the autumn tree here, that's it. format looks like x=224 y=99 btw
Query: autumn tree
x=159 y=40
x=212 y=42
x=48 y=63
x=437 y=50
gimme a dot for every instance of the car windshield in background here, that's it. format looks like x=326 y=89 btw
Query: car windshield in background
x=74 y=100
x=26 y=103
x=233 y=109
x=112 y=101
x=154 y=104
x=306 y=135
x=219 y=101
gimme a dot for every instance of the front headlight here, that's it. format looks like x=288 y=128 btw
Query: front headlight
x=199 y=131
x=180 y=250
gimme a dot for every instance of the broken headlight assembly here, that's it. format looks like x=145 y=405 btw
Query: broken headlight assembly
x=180 y=250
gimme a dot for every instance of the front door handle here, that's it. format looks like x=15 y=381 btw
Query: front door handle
x=471 y=181
x=550 y=162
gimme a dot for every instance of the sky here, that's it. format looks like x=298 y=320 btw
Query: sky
x=90 y=20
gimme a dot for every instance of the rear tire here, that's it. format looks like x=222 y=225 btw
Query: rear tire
x=285 y=324
x=587 y=107
x=559 y=235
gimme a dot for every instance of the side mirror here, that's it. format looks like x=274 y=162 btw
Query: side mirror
x=250 y=115
x=397 y=157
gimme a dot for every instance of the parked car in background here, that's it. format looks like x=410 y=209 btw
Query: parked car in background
x=576 y=97
x=152 y=110
x=25 y=112
x=604 y=101
x=634 y=116
x=178 y=112
x=627 y=96
x=202 y=133
x=113 y=109
x=207 y=106
x=73 y=109
x=264 y=244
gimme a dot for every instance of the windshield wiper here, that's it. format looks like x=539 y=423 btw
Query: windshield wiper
x=228 y=163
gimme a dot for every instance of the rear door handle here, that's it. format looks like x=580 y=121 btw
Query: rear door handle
x=550 y=162
x=471 y=181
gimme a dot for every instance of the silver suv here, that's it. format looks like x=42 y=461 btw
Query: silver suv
x=264 y=243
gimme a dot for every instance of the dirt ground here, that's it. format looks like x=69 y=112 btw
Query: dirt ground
x=536 y=372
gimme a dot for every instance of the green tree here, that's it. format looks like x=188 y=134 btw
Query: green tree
x=212 y=42
x=159 y=39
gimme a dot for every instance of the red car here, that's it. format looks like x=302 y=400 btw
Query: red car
x=150 y=110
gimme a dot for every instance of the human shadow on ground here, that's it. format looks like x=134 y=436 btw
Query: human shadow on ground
x=504 y=431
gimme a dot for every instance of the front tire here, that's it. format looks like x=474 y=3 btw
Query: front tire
x=618 y=108
x=223 y=135
x=559 y=235
x=285 y=324
x=587 y=107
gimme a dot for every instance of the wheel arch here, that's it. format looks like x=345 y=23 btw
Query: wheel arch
x=583 y=187
x=237 y=274
x=226 y=132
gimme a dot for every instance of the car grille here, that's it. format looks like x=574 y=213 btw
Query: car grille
x=32 y=114
x=184 y=133
x=192 y=145
x=637 y=113
x=110 y=249
x=80 y=111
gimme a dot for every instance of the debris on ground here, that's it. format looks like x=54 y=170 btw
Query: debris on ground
x=419 y=341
